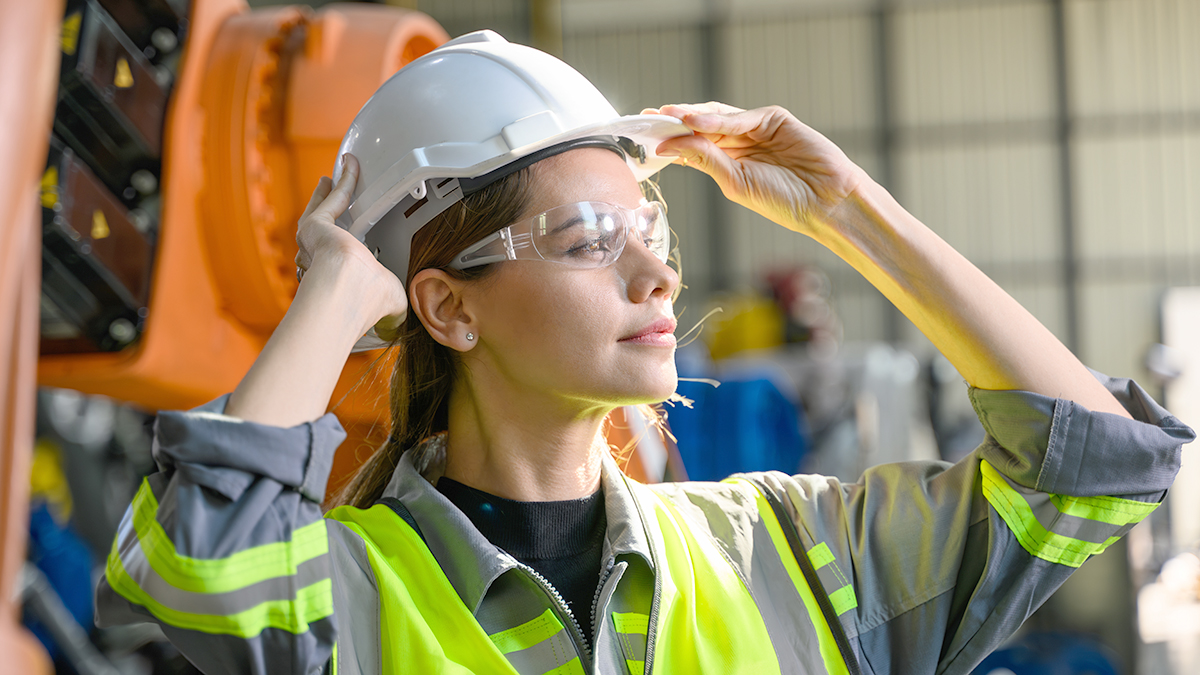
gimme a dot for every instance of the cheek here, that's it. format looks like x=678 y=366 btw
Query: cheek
x=555 y=319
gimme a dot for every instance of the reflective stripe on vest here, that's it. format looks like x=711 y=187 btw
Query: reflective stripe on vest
x=541 y=645
x=733 y=621
x=425 y=626
x=631 y=630
x=830 y=654
x=842 y=596
x=706 y=620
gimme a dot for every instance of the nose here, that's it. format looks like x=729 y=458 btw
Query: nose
x=644 y=274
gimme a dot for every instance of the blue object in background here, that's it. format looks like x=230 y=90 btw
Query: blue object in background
x=744 y=425
x=66 y=561
x=1051 y=654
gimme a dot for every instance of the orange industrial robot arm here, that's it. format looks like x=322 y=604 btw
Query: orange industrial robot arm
x=29 y=48
x=259 y=105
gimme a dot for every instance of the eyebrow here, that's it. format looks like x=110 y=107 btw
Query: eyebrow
x=567 y=223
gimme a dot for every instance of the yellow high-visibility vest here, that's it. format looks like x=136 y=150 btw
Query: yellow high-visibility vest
x=704 y=620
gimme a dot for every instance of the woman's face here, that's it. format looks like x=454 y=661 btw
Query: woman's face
x=548 y=328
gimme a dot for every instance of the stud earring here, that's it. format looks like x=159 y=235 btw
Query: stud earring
x=470 y=337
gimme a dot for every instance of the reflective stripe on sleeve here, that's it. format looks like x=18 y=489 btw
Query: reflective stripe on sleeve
x=284 y=585
x=1058 y=528
x=233 y=572
x=538 y=647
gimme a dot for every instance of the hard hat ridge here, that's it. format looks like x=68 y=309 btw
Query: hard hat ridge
x=464 y=115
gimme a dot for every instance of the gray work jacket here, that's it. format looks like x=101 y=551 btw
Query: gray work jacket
x=931 y=565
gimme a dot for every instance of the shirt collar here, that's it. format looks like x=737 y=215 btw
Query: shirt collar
x=468 y=559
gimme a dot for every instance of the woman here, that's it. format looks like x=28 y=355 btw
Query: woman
x=493 y=533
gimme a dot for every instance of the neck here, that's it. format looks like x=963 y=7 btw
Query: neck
x=522 y=446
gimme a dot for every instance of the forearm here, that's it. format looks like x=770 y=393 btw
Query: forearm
x=992 y=340
x=225 y=546
x=293 y=378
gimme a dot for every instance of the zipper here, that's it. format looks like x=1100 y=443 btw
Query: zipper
x=608 y=568
x=554 y=595
x=652 y=628
x=652 y=632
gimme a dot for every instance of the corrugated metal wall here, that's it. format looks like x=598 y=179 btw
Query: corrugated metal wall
x=1056 y=145
x=1135 y=92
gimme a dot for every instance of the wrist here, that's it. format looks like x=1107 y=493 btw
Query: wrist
x=345 y=291
x=847 y=188
x=861 y=219
x=872 y=232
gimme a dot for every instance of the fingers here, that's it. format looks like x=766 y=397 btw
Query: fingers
x=755 y=124
x=703 y=154
x=339 y=198
x=327 y=201
x=681 y=109
x=319 y=194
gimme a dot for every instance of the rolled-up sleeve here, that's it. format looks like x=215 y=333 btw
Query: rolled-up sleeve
x=946 y=561
x=225 y=546
x=1058 y=446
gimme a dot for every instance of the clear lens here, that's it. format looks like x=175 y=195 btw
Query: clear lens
x=587 y=234
x=652 y=226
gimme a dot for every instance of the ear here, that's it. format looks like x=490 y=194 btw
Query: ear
x=438 y=300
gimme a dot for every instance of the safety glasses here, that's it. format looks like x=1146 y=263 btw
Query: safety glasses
x=586 y=235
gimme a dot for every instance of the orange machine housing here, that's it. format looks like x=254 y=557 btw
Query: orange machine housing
x=259 y=109
x=29 y=45
x=257 y=114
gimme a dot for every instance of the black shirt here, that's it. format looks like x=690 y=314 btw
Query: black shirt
x=562 y=541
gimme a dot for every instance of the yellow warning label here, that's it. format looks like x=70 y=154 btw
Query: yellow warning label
x=99 y=225
x=124 y=78
x=50 y=187
x=70 y=33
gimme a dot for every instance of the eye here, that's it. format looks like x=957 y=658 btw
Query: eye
x=591 y=247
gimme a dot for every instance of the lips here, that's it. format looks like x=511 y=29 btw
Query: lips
x=659 y=327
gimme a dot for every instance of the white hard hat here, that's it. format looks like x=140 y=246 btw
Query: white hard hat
x=465 y=111
x=464 y=115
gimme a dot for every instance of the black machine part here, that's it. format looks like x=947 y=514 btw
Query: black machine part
x=111 y=103
x=95 y=262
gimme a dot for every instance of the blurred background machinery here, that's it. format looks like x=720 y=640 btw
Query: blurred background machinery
x=186 y=142
x=174 y=150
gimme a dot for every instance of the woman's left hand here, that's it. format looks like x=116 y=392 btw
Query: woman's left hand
x=770 y=162
x=766 y=160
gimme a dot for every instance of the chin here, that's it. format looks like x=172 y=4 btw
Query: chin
x=654 y=391
x=634 y=384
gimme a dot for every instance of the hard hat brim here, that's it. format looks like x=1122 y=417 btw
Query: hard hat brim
x=645 y=131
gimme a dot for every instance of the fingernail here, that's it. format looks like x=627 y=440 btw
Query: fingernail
x=669 y=153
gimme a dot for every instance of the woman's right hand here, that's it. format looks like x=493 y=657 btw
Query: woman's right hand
x=323 y=244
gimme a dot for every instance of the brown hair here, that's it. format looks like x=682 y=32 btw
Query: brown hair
x=425 y=370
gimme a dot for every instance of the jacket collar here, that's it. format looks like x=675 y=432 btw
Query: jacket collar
x=469 y=560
